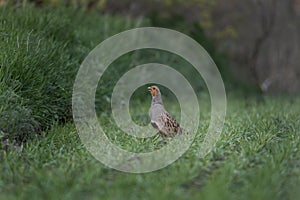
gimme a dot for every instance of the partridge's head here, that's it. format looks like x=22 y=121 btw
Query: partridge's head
x=154 y=90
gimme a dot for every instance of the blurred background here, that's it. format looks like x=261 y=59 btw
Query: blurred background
x=255 y=43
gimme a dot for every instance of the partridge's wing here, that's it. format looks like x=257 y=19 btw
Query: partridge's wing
x=169 y=125
x=154 y=125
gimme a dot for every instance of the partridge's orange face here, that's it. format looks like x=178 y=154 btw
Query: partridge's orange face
x=153 y=90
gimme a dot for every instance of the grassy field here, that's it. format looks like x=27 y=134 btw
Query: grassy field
x=257 y=156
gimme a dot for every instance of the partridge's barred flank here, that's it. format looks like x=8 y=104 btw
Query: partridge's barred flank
x=160 y=118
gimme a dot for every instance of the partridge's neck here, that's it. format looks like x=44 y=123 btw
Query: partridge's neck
x=157 y=99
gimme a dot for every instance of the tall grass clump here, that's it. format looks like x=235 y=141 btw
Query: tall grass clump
x=40 y=52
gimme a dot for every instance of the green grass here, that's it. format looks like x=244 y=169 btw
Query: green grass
x=257 y=157
x=40 y=53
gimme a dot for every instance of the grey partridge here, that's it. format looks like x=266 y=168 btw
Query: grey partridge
x=161 y=120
